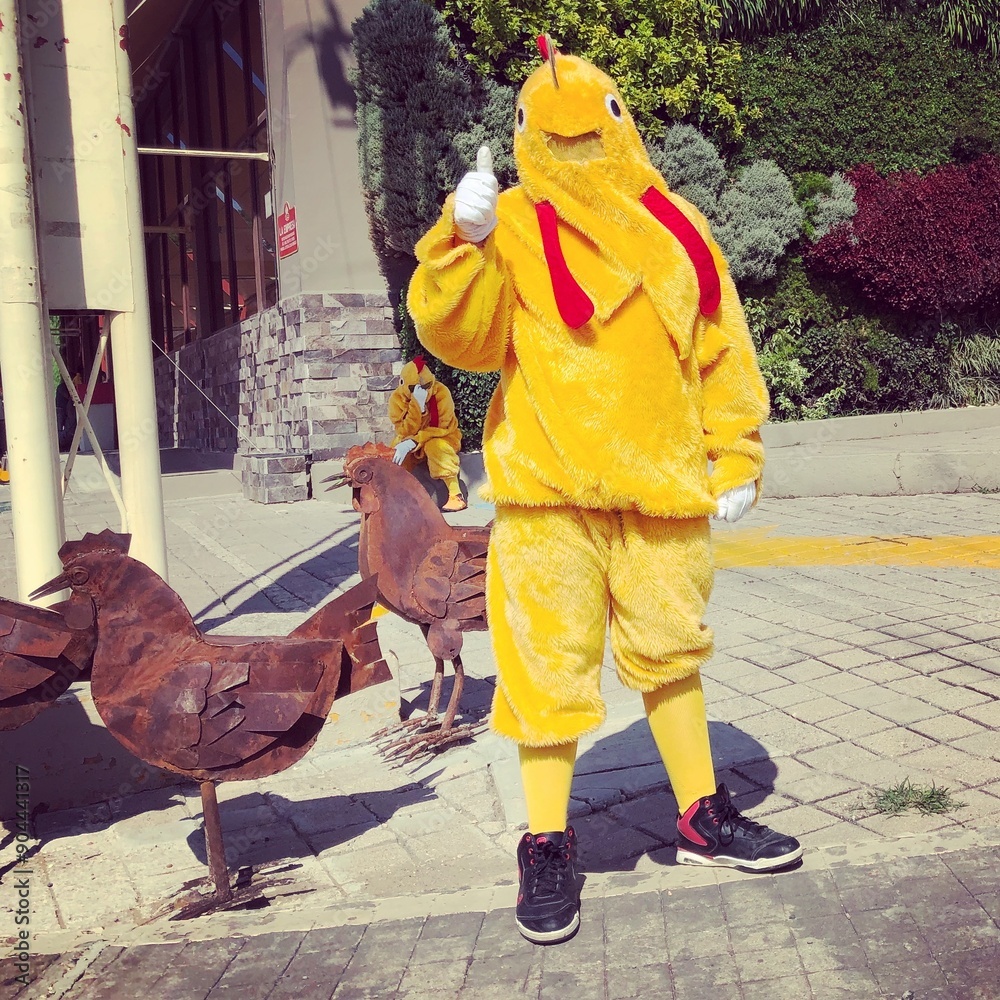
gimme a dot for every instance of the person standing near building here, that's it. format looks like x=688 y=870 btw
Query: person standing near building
x=66 y=413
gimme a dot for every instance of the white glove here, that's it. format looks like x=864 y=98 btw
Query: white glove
x=734 y=503
x=476 y=200
x=420 y=395
x=403 y=449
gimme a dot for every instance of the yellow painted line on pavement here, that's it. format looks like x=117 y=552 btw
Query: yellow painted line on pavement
x=745 y=547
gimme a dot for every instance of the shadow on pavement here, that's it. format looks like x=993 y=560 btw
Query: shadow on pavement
x=623 y=780
x=285 y=829
x=305 y=585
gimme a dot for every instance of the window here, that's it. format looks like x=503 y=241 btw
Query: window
x=210 y=242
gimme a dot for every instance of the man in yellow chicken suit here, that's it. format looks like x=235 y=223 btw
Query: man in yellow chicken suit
x=423 y=414
x=625 y=367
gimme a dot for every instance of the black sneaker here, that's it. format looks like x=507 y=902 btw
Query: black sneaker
x=712 y=832
x=548 y=900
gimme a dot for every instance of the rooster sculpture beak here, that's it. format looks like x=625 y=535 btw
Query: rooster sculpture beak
x=61 y=582
x=338 y=480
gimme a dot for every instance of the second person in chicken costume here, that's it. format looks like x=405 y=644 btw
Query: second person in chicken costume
x=625 y=365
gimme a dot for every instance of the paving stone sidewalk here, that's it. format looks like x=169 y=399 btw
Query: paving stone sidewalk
x=908 y=926
x=830 y=680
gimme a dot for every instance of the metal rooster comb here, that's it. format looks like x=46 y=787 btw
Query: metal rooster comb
x=370 y=449
x=105 y=541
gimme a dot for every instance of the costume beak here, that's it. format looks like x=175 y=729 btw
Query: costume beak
x=338 y=480
x=61 y=582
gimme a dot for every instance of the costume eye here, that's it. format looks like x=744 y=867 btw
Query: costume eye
x=521 y=118
x=611 y=103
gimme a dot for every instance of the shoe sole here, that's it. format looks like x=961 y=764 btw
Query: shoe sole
x=685 y=857
x=549 y=937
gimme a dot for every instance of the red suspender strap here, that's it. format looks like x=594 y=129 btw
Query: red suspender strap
x=572 y=301
x=709 y=288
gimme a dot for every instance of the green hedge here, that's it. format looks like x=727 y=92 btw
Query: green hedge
x=892 y=92
x=849 y=361
x=665 y=55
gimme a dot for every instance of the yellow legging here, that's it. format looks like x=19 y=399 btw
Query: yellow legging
x=676 y=714
x=442 y=463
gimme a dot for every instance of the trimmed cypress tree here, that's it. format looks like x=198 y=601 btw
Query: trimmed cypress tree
x=414 y=98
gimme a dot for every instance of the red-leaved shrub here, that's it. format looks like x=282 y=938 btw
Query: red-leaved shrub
x=921 y=246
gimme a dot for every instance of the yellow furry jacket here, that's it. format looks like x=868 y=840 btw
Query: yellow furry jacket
x=622 y=410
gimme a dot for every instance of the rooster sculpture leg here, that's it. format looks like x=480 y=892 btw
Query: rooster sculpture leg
x=214 y=846
x=437 y=735
x=429 y=718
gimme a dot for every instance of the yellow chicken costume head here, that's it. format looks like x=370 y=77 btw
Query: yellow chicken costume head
x=416 y=373
x=580 y=159
x=575 y=136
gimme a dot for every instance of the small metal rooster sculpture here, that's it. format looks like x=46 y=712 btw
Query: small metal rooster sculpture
x=210 y=707
x=42 y=652
x=429 y=572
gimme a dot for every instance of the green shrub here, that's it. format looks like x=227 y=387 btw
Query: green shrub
x=491 y=124
x=970 y=23
x=853 y=362
x=472 y=391
x=665 y=55
x=691 y=166
x=833 y=207
x=757 y=218
x=891 y=92
x=973 y=376
x=753 y=217
x=414 y=97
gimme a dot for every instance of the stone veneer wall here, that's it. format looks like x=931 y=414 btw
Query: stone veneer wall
x=312 y=374
x=316 y=373
x=185 y=418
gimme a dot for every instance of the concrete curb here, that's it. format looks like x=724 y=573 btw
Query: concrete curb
x=250 y=923
x=883 y=454
x=880 y=425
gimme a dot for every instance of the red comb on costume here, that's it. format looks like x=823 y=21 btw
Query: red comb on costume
x=543 y=46
x=418 y=361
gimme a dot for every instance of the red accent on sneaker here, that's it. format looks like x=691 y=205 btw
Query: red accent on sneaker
x=686 y=830
x=541 y=840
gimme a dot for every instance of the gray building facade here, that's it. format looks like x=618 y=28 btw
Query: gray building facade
x=264 y=288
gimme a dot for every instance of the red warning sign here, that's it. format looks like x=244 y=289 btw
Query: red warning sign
x=288 y=233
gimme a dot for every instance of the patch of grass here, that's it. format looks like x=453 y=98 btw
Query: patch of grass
x=898 y=798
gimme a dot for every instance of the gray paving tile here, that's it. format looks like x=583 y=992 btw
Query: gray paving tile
x=318 y=964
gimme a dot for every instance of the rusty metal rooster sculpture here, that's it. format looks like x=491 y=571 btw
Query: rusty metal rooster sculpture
x=429 y=572
x=42 y=652
x=210 y=707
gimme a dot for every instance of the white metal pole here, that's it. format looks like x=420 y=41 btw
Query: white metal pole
x=25 y=364
x=131 y=343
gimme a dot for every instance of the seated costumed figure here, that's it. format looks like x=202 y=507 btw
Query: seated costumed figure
x=423 y=414
x=625 y=366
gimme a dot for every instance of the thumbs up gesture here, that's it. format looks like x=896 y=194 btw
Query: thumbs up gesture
x=476 y=200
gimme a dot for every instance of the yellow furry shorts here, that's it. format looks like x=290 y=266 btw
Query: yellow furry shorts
x=556 y=577
x=442 y=459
